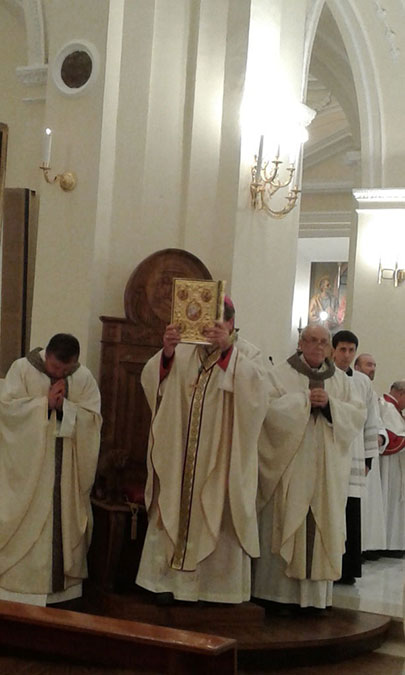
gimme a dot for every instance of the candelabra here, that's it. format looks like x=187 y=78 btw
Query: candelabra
x=266 y=183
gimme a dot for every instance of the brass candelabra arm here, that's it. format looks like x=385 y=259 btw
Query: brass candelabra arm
x=67 y=180
x=291 y=201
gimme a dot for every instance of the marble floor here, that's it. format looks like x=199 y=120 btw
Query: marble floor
x=379 y=590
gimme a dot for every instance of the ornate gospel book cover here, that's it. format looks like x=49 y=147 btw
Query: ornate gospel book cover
x=196 y=305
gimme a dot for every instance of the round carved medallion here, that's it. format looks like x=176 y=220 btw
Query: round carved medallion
x=148 y=293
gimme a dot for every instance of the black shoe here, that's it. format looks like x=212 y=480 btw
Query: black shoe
x=371 y=555
x=347 y=581
x=276 y=608
x=393 y=554
x=164 y=599
x=315 y=611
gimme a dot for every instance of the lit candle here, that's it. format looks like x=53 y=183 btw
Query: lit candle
x=259 y=160
x=47 y=147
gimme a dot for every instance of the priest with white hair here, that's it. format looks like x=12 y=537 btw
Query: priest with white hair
x=305 y=461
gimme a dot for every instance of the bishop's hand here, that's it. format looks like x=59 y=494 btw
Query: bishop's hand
x=219 y=335
x=171 y=339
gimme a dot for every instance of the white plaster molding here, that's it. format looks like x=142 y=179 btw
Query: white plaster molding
x=389 y=34
x=331 y=218
x=311 y=24
x=36 y=72
x=324 y=233
x=317 y=187
x=307 y=114
x=34 y=23
x=331 y=108
x=32 y=75
x=380 y=198
x=329 y=147
x=325 y=224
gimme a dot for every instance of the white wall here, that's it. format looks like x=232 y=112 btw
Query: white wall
x=66 y=233
x=378 y=310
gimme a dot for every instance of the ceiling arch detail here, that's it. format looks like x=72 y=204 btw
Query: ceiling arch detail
x=34 y=23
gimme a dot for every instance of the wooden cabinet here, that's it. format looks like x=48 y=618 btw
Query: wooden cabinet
x=20 y=222
x=126 y=415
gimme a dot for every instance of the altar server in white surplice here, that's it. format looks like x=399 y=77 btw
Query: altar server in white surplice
x=373 y=531
x=305 y=461
x=49 y=442
x=393 y=466
x=208 y=405
x=364 y=453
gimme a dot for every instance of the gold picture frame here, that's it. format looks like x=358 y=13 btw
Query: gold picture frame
x=196 y=305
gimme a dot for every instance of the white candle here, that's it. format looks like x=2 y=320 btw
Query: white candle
x=47 y=147
x=259 y=160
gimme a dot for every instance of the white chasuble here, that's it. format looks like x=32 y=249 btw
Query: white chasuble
x=202 y=459
x=27 y=478
x=305 y=467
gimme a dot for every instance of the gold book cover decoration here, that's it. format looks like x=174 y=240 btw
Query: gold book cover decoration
x=196 y=305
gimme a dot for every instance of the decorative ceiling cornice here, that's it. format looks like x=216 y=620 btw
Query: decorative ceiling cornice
x=325 y=224
x=327 y=187
x=330 y=146
x=380 y=197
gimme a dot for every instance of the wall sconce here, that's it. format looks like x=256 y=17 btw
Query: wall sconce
x=396 y=274
x=67 y=180
x=266 y=183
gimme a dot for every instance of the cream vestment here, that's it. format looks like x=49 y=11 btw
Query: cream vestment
x=305 y=465
x=202 y=474
x=47 y=469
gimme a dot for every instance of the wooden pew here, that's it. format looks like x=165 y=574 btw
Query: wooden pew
x=129 y=644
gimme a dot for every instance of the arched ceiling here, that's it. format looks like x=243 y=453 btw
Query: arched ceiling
x=331 y=92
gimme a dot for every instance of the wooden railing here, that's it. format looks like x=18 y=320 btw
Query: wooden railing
x=142 y=647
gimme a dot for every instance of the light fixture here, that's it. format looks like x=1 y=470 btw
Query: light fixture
x=396 y=274
x=67 y=180
x=266 y=183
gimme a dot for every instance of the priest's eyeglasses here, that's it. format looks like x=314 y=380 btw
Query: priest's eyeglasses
x=324 y=342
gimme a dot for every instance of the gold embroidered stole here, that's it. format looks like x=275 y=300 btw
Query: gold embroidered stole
x=190 y=459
